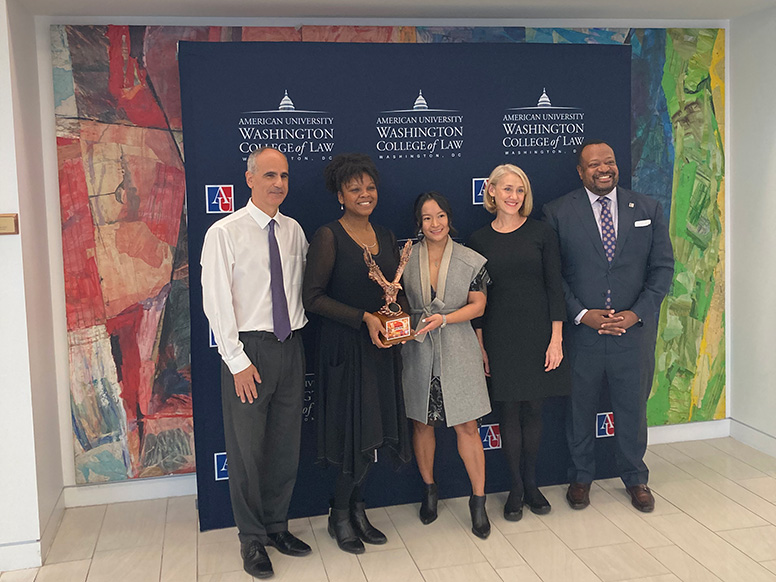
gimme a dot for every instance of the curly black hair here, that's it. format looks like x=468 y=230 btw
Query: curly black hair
x=345 y=167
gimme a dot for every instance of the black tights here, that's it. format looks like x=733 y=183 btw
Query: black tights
x=346 y=491
x=521 y=433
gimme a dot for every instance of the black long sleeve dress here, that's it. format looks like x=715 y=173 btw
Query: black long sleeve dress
x=360 y=401
x=524 y=298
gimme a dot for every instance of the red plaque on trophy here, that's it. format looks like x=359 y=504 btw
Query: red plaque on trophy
x=396 y=323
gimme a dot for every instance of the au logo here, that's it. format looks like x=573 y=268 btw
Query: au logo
x=491 y=436
x=222 y=470
x=604 y=425
x=219 y=199
x=479 y=185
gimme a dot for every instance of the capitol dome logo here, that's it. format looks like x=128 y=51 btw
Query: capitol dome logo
x=301 y=134
x=420 y=102
x=544 y=101
x=421 y=132
x=286 y=104
x=542 y=129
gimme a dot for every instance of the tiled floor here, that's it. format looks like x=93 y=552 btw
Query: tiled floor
x=715 y=520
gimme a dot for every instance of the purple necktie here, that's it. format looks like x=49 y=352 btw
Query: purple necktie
x=609 y=238
x=281 y=323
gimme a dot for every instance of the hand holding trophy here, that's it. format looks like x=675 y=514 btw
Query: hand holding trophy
x=396 y=324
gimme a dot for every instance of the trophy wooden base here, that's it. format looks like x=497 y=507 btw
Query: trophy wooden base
x=396 y=327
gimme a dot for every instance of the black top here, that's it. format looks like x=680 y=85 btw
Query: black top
x=360 y=400
x=524 y=298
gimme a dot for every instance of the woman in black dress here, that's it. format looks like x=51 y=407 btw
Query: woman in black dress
x=361 y=407
x=522 y=329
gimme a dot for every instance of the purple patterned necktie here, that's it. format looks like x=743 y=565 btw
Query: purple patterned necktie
x=609 y=238
x=281 y=323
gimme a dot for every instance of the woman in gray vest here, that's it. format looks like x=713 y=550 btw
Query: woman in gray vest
x=443 y=377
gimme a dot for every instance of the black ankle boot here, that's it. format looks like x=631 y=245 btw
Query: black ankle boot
x=480 y=522
x=428 y=507
x=365 y=530
x=342 y=530
x=513 y=509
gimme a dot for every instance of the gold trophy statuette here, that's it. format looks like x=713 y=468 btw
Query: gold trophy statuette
x=396 y=323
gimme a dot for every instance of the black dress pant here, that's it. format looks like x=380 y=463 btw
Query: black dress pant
x=263 y=437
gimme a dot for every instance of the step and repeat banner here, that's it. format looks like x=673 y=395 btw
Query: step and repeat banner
x=433 y=117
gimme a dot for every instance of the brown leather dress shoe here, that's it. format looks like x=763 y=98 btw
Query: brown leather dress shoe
x=578 y=495
x=641 y=498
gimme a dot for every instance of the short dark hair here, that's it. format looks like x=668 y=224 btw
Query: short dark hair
x=345 y=167
x=444 y=204
x=589 y=142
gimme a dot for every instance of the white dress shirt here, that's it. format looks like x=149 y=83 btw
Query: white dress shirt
x=612 y=196
x=236 y=293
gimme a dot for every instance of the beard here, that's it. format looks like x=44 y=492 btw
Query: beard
x=603 y=190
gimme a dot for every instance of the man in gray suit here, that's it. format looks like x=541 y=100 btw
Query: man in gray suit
x=617 y=265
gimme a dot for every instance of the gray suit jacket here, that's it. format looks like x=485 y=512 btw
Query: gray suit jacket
x=641 y=271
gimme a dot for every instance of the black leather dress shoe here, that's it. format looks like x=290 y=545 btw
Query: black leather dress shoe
x=641 y=498
x=255 y=560
x=578 y=495
x=536 y=501
x=287 y=543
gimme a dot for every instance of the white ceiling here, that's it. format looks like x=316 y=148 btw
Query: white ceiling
x=395 y=9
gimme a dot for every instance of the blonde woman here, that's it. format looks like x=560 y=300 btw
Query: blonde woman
x=521 y=332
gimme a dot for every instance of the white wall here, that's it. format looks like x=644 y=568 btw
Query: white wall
x=37 y=280
x=751 y=172
x=19 y=523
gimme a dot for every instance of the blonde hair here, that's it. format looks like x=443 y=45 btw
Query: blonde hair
x=496 y=175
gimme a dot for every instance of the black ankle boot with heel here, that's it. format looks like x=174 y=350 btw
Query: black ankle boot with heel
x=480 y=522
x=428 y=507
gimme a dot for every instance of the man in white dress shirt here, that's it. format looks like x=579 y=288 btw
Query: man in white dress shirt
x=252 y=266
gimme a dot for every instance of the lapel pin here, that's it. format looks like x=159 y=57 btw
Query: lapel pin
x=630 y=204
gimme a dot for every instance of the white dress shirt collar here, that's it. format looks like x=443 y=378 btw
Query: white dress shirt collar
x=261 y=218
x=611 y=196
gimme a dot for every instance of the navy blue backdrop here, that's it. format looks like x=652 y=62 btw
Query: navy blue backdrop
x=433 y=117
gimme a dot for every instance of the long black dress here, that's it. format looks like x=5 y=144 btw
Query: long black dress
x=360 y=401
x=524 y=298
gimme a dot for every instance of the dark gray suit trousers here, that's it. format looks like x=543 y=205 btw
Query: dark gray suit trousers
x=263 y=437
